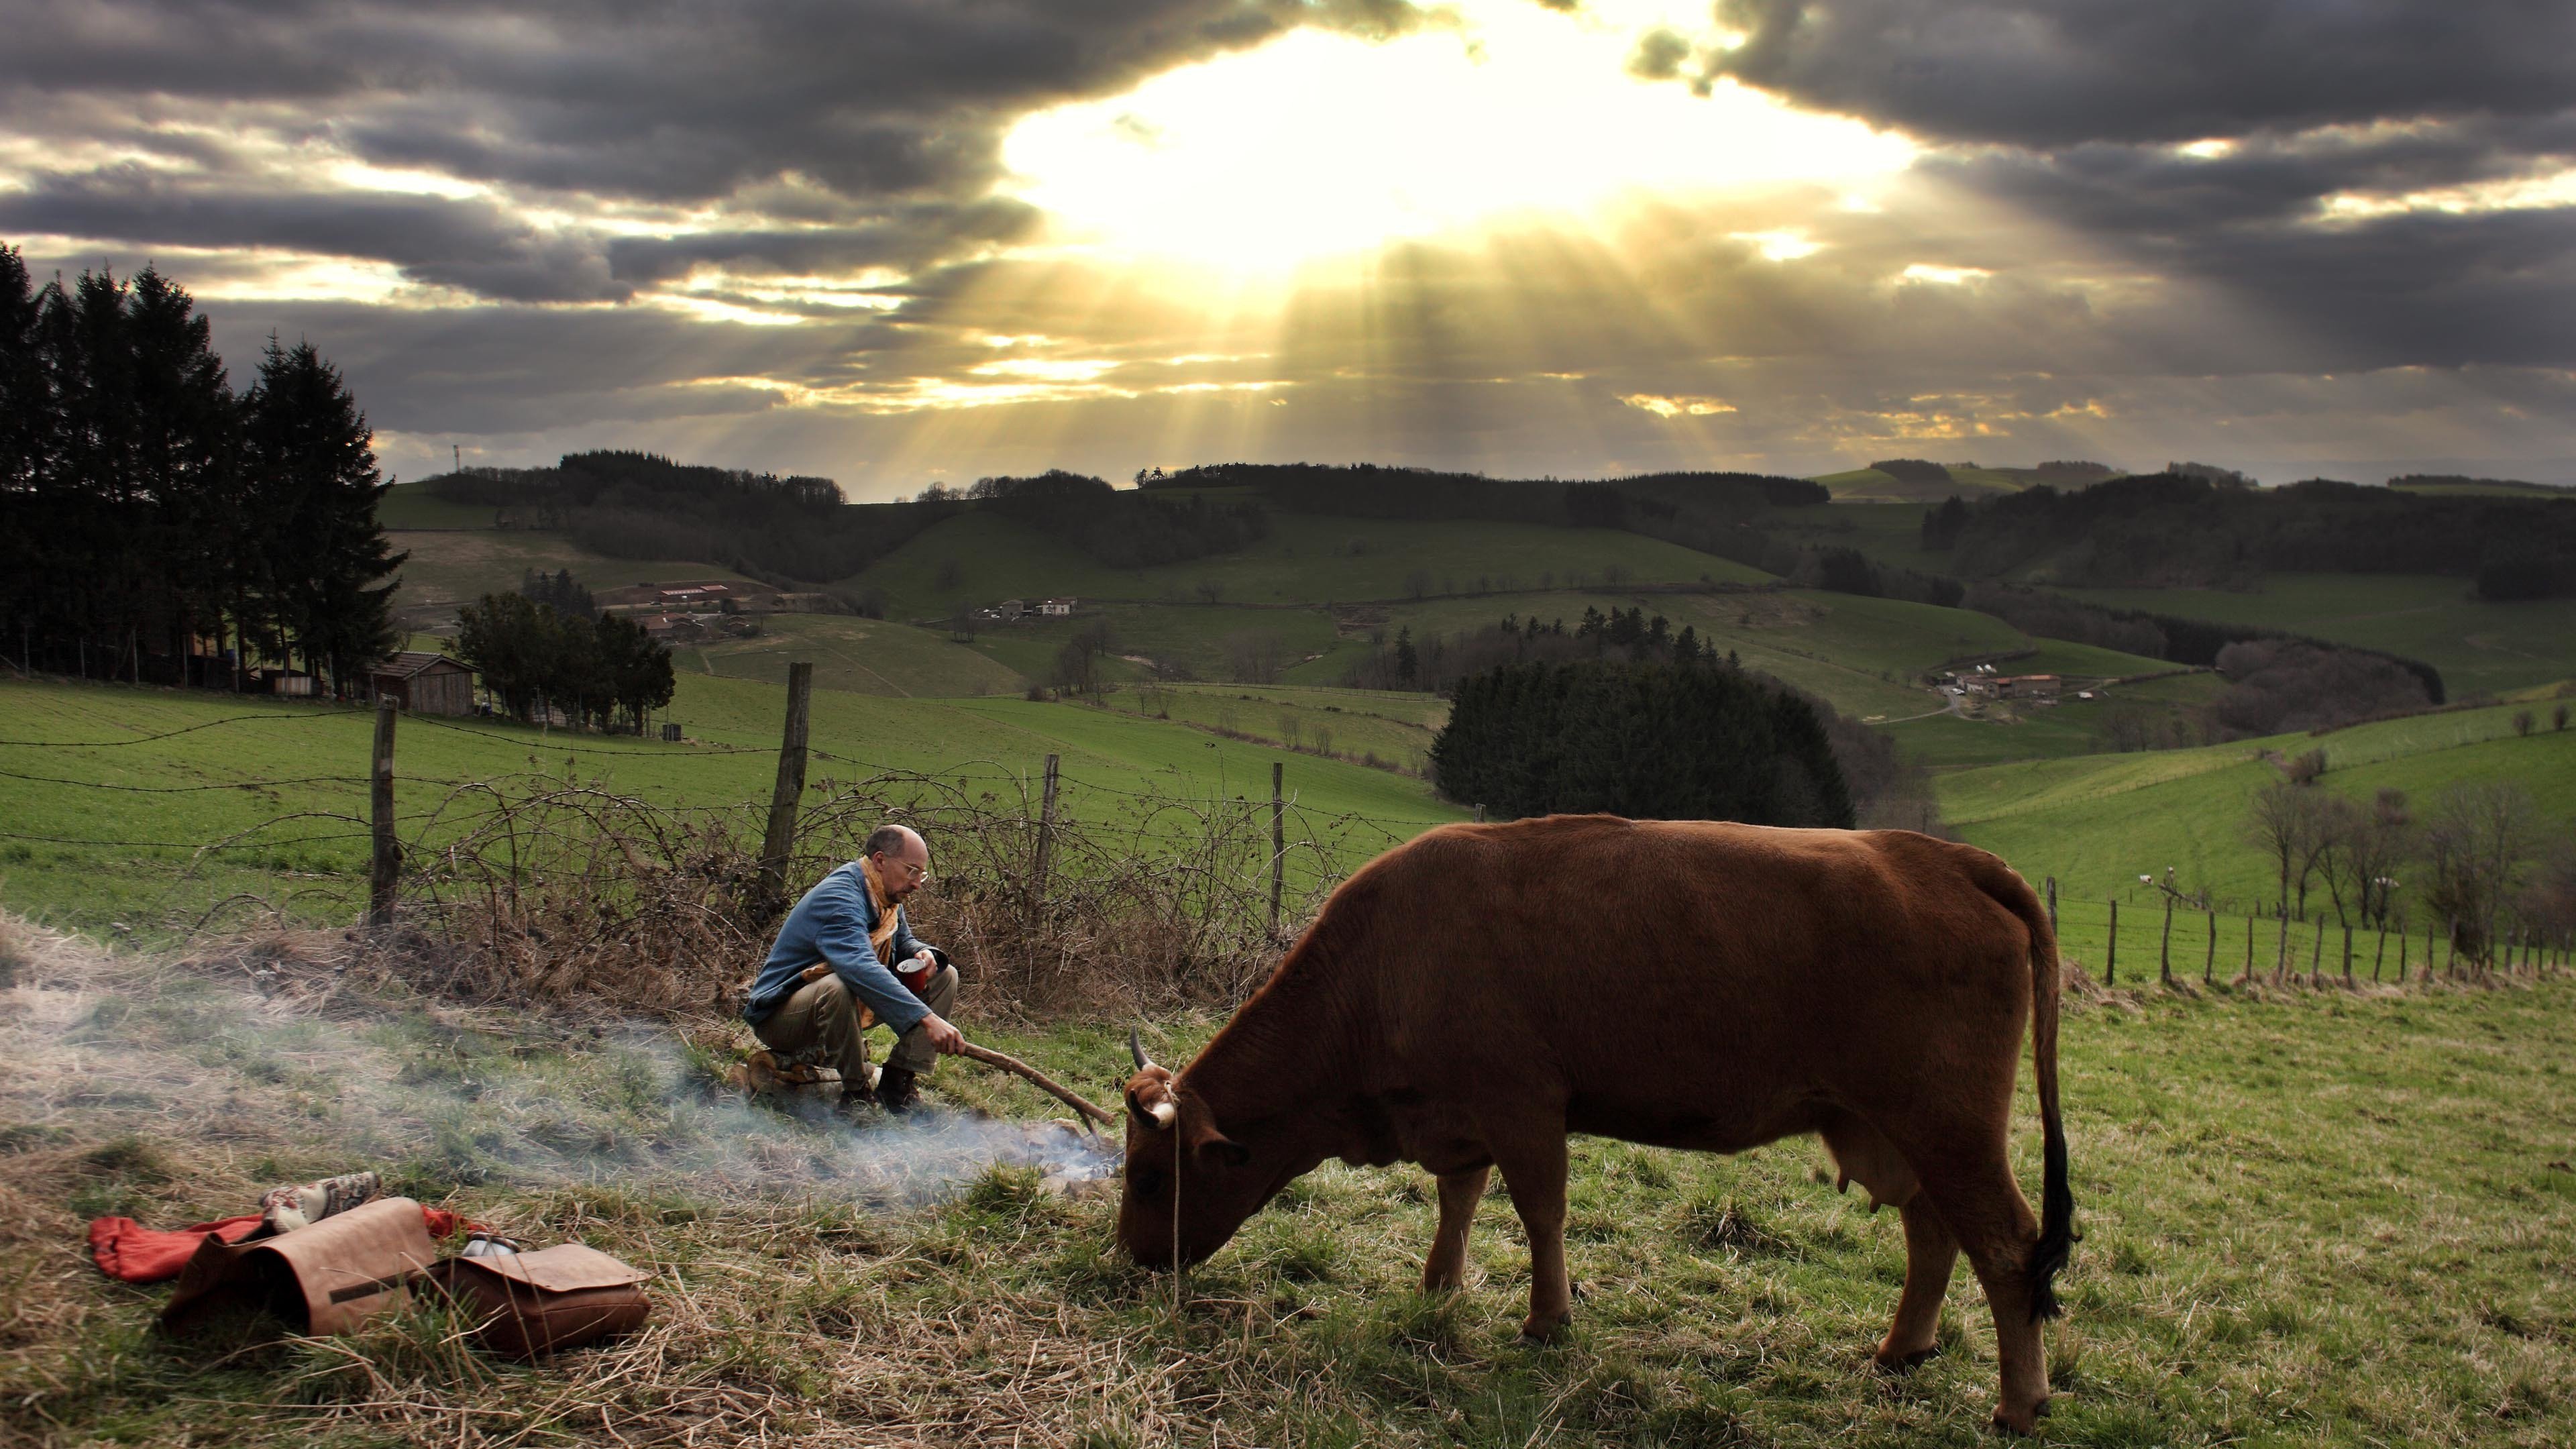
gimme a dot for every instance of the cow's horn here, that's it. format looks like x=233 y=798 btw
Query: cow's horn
x=1136 y=1049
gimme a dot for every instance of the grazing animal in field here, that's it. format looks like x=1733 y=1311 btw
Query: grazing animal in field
x=1468 y=999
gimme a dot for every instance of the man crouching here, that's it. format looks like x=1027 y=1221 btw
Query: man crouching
x=847 y=946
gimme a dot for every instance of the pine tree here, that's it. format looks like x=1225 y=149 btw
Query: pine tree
x=311 y=459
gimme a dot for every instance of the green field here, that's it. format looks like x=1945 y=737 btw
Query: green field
x=207 y=786
x=2098 y=822
x=1395 y=727
x=863 y=656
x=2477 y=645
x=2311 y=1219
x=451 y=568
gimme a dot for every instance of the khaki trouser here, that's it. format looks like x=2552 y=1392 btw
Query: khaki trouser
x=822 y=1017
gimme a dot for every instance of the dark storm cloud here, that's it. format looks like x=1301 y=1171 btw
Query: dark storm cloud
x=883 y=116
x=682 y=100
x=474 y=246
x=910 y=237
x=2047 y=73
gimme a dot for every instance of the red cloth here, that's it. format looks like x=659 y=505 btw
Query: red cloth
x=132 y=1253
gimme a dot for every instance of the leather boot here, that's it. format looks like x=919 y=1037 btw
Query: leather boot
x=896 y=1091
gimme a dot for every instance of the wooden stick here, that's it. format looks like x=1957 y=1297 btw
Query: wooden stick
x=1041 y=1080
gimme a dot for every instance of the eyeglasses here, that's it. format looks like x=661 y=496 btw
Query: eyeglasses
x=919 y=872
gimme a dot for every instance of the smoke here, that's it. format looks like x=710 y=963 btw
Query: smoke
x=297 y=1073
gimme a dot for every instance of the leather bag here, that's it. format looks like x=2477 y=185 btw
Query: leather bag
x=531 y=1304
x=327 y=1278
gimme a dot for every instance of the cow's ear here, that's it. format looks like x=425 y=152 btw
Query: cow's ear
x=1210 y=1145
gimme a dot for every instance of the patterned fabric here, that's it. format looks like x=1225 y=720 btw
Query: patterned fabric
x=284 y=1209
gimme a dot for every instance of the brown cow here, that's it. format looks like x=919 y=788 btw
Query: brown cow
x=1468 y=999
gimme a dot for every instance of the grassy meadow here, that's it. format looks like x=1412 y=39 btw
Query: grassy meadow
x=95 y=858
x=2309 y=1218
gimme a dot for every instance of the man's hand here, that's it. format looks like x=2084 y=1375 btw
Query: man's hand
x=949 y=1040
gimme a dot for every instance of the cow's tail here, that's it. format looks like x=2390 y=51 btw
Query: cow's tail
x=2057 y=1233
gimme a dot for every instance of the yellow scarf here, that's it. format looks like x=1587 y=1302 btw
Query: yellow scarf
x=881 y=935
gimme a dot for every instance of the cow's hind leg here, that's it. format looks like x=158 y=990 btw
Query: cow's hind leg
x=1863 y=1154
x=1446 y=1268
x=1985 y=1212
x=1534 y=1169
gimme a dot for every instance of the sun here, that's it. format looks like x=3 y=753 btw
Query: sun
x=1321 y=144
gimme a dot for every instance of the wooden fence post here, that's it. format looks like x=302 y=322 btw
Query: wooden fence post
x=2164 y=948
x=789 y=793
x=2281 y=964
x=1278 y=840
x=2209 y=968
x=2347 y=955
x=387 y=861
x=2052 y=905
x=2249 y=953
x=1480 y=814
x=2317 y=951
x=1046 y=836
x=2111 y=957
x=2379 y=957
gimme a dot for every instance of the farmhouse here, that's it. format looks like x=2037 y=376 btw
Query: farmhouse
x=424 y=683
x=1057 y=608
x=2037 y=688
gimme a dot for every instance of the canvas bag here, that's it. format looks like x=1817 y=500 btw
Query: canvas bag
x=322 y=1279
x=530 y=1304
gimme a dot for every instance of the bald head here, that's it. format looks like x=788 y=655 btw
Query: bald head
x=902 y=861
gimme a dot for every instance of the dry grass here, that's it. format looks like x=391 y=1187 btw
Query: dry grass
x=557 y=891
x=2311 y=1218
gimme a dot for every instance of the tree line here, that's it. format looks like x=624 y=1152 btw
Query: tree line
x=1123 y=530
x=2192 y=529
x=2479 y=860
x=549 y=653
x=1648 y=741
x=1885 y=788
x=157 y=526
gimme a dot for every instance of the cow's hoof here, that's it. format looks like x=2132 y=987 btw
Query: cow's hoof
x=1896 y=1363
x=2025 y=1422
x=1544 y=1330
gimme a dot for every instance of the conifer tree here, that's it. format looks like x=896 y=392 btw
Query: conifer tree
x=311 y=460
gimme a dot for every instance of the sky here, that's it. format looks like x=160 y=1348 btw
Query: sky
x=898 y=242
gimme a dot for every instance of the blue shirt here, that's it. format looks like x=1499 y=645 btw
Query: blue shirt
x=832 y=924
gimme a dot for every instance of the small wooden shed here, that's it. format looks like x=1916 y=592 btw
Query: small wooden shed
x=425 y=683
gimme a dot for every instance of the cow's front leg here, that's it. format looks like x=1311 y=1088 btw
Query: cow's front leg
x=1446 y=1268
x=1534 y=1169
x=1930 y=1254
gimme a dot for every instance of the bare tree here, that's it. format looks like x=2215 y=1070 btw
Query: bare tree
x=2474 y=843
x=1255 y=656
x=2282 y=822
x=2358 y=852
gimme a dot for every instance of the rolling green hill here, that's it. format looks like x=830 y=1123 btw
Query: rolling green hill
x=2098 y=822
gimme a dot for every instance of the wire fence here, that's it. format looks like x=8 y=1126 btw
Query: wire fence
x=2177 y=941
x=1060 y=888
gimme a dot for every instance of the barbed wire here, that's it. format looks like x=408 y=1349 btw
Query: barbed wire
x=186 y=789
x=546 y=745
x=191 y=729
